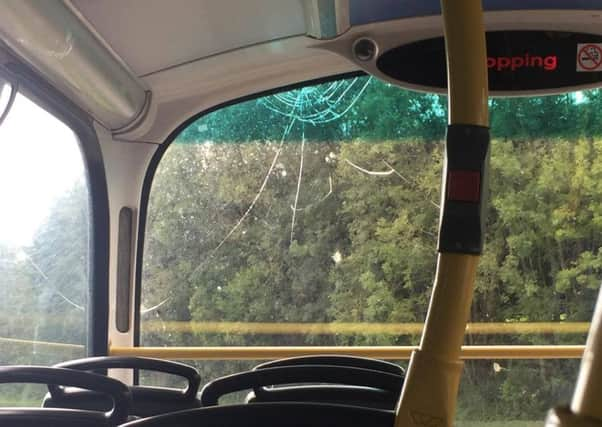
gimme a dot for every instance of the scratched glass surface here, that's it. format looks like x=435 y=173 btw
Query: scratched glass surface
x=44 y=223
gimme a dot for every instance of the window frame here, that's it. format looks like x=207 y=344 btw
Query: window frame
x=35 y=87
x=158 y=156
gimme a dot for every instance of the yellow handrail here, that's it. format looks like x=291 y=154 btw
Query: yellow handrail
x=273 y=328
x=384 y=352
x=431 y=385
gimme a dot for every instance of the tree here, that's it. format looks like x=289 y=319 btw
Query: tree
x=363 y=244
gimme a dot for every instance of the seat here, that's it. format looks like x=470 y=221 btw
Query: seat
x=336 y=360
x=115 y=391
x=146 y=401
x=278 y=414
x=346 y=385
x=344 y=394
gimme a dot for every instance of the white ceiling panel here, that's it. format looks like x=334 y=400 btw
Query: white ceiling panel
x=152 y=35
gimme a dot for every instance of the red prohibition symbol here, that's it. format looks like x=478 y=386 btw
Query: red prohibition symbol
x=590 y=57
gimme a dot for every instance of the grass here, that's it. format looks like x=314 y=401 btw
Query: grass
x=23 y=396
x=501 y=423
x=23 y=403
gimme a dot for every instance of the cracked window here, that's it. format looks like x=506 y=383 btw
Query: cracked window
x=275 y=221
x=309 y=218
x=44 y=223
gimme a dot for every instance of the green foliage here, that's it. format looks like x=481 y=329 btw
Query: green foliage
x=382 y=112
x=220 y=248
x=44 y=295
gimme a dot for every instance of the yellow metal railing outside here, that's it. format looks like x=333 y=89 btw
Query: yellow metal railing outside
x=57 y=345
x=342 y=328
x=382 y=352
x=269 y=328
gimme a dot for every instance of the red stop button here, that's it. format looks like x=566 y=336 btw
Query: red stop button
x=463 y=186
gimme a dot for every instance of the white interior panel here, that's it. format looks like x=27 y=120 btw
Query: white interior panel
x=184 y=91
x=126 y=166
x=151 y=35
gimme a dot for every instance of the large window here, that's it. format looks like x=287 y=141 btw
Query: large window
x=44 y=224
x=310 y=217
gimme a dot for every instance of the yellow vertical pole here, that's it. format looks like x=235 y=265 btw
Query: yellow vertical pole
x=430 y=389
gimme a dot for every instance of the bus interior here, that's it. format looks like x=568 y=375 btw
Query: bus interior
x=300 y=213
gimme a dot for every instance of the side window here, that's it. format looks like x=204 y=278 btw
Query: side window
x=44 y=224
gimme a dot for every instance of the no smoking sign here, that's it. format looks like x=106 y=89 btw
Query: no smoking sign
x=589 y=57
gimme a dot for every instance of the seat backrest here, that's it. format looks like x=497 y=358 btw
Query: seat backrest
x=146 y=401
x=113 y=390
x=367 y=383
x=343 y=394
x=336 y=360
x=273 y=415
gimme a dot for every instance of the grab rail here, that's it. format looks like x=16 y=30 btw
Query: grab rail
x=384 y=352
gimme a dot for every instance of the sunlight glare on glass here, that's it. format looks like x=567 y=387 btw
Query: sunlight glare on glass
x=39 y=161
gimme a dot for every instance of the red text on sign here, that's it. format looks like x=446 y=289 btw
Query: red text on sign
x=513 y=63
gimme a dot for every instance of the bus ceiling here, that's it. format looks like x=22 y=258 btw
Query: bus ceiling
x=104 y=66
